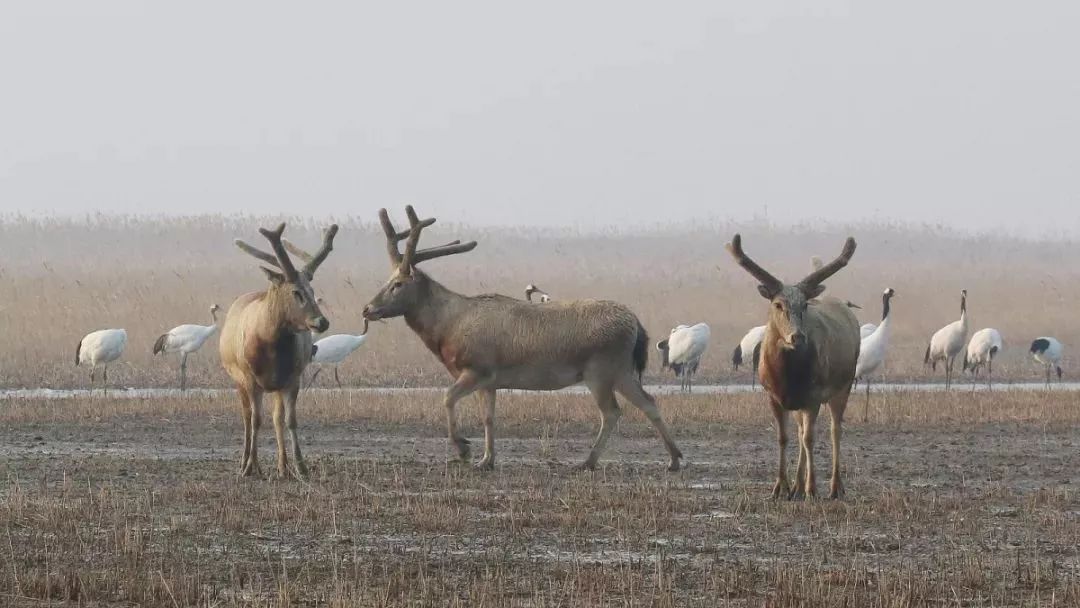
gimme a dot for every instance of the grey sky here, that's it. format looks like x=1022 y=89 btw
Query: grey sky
x=560 y=113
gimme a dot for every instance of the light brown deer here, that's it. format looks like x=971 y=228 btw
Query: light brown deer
x=266 y=344
x=808 y=357
x=492 y=342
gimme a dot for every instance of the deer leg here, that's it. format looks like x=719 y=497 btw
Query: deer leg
x=279 y=433
x=251 y=467
x=609 y=418
x=183 y=371
x=488 y=461
x=836 y=418
x=630 y=387
x=781 y=488
x=336 y=379
x=245 y=415
x=467 y=383
x=808 y=450
x=798 y=490
x=299 y=466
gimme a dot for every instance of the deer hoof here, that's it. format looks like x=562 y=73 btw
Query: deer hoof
x=781 y=490
x=677 y=465
x=837 y=491
x=586 y=466
x=487 y=464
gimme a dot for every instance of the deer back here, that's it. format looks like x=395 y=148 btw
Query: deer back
x=490 y=333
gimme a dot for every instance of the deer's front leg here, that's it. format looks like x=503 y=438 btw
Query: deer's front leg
x=467 y=383
x=781 y=487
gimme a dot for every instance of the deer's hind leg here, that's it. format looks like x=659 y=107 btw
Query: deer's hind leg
x=609 y=418
x=488 y=461
x=836 y=415
x=629 y=386
x=467 y=383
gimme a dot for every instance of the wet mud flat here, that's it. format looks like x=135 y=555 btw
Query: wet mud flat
x=950 y=501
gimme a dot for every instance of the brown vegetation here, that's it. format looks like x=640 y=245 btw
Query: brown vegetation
x=61 y=279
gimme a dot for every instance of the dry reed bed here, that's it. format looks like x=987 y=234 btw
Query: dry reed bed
x=959 y=499
x=62 y=279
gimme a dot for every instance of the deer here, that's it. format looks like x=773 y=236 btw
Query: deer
x=808 y=358
x=266 y=343
x=493 y=342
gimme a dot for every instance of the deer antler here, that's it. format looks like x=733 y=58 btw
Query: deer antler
x=279 y=259
x=284 y=261
x=815 y=278
x=312 y=262
x=767 y=280
x=393 y=237
x=411 y=257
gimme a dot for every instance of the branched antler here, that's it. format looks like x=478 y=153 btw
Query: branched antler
x=312 y=262
x=411 y=257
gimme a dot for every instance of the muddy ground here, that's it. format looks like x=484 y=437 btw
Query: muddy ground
x=961 y=500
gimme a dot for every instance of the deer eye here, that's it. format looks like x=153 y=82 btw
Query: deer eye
x=778 y=306
x=299 y=296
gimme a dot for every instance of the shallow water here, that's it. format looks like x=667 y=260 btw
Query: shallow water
x=659 y=389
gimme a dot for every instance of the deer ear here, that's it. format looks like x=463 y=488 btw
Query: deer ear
x=767 y=292
x=275 y=277
x=813 y=291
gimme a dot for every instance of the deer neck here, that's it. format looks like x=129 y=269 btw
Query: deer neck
x=435 y=312
x=273 y=315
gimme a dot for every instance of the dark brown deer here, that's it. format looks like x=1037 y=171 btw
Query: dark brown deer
x=808 y=357
x=493 y=342
x=266 y=344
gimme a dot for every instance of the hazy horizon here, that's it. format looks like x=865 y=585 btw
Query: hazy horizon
x=958 y=115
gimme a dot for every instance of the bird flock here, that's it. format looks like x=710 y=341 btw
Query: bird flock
x=681 y=352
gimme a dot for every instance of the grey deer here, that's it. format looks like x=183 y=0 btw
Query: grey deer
x=808 y=357
x=266 y=344
x=492 y=342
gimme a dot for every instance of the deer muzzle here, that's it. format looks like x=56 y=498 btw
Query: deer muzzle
x=319 y=324
x=795 y=340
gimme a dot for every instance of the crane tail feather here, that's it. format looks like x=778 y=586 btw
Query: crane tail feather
x=926 y=358
x=78 y=349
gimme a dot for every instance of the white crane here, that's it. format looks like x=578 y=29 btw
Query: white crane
x=101 y=347
x=1048 y=351
x=682 y=351
x=541 y=297
x=874 y=347
x=186 y=339
x=866 y=329
x=749 y=346
x=332 y=350
x=985 y=344
x=948 y=342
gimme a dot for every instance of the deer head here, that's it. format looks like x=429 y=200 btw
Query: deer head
x=789 y=302
x=290 y=294
x=407 y=286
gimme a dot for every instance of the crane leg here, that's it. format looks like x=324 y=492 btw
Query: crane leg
x=336 y=379
x=183 y=372
x=314 y=375
x=866 y=406
x=105 y=379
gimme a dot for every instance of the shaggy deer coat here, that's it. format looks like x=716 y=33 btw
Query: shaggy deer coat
x=493 y=342
x=808 y=357
x=266 y=344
